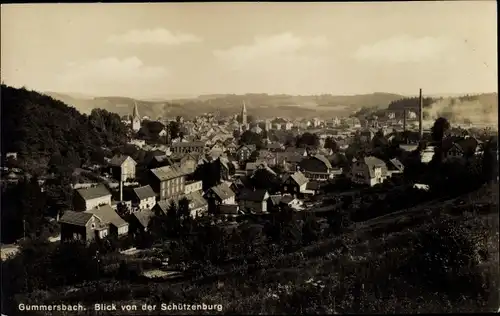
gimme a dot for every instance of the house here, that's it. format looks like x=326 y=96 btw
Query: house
x=190 y=162
x=226 y=169
x=368 y=170
x=275 y=147
x=198 y=206
x=160 y=161
x=220 y=194
x=367 y=135
x=115 y=225
x=462 y=148
x=244 y=152
x=427 y=154
x=298 y=151
x=316 y=167
x=273 y=202
x=295 y=183
x=255 y=201
x=263 y=169
x=11 y=155
x=139 y=221
x=81 y=226
x=192 y=186
x=144 y=197
x=122 y=167
x=239 y=184
x=395 y=166
x=89 y=198
x=290 y=201
x=167 y=181
x=312 y=187
x=188 y=147
x=161 y=207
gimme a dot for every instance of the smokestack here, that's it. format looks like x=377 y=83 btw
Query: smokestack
x=121 y=190
x=420 y=115
x=404 y=120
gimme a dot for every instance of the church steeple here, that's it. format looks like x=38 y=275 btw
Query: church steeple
x=136 y=119
x=136 y=111
x=244 y=114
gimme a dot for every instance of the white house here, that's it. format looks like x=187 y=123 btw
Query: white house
x=253 y=200
x=90 y=198
x=369 y=170
x=144 y=197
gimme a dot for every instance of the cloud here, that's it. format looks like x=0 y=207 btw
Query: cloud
x=154 y=36
x=285 y=47
x=111 y=73
x=404 y=49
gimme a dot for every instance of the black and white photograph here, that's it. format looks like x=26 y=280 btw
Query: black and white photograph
x=214 y=158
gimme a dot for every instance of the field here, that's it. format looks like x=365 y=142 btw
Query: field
x=433 y=258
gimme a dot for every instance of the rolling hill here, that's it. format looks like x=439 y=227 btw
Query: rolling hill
x=228 y=104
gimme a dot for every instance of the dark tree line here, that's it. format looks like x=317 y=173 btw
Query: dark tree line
x=37 y=126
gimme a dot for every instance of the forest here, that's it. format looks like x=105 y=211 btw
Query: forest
x=39 y=127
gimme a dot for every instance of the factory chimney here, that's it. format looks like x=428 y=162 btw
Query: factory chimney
x=420 y=115
x=404 y=120
x=121 y=190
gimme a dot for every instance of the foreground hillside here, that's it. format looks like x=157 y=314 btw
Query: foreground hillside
x=274 y=105
x=38 y=127
x=430 y=259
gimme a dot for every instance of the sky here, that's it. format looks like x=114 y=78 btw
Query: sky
x=153 y=50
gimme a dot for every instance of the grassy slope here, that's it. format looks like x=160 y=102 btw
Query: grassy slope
x=377 y=250
x=275 y=105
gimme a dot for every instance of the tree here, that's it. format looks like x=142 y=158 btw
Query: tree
x=330 y=143
x=379 y=140
x=307 y=140
x=439 y=129
x=174 y=128
x=250 y=138
x=236 y=134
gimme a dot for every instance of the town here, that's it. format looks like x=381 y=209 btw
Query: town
x=249 y=158
x=173 y=182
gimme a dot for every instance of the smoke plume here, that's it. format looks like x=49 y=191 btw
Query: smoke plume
x=476 y=110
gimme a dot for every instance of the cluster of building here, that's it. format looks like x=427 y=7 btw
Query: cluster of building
x=173 y=173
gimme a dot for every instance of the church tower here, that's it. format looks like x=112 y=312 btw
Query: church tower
x=136 y=119
x=244 y=115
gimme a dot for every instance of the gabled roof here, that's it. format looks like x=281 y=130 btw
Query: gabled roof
x=144 y=217
x=275 y=199
x=254 y=196
x=397 y=164
x=298 y=177
x=108 y=216
x=196 y=199
x=324 y=160
x=93 y=192
x=223 y=191
x=75 y=218
x=166 y=173
x=118 y=160
x=372 y=163
x=163 y=205
x=144 y=192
